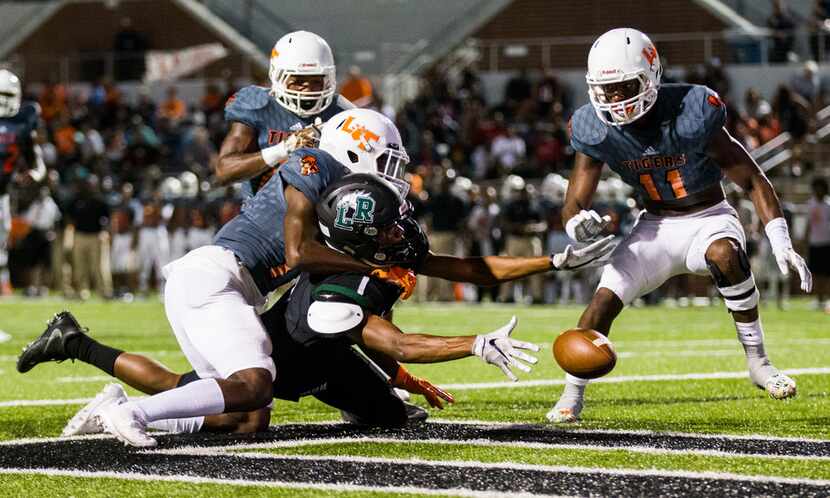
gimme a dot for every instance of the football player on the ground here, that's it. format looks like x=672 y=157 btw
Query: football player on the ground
x=19 y=150
x=267 y=125
x=669 y=143
x=314 y=325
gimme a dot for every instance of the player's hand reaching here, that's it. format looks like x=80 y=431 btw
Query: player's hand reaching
x=590 y=255
x=497 y=348
x=786 y=257
x=434 y=395
x=308 y=136
x=586 y=226
x=402 y=277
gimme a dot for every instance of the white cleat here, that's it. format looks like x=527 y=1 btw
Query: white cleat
x=124 y=422
x=85 y=421
x=780 y=386
x=566 y=411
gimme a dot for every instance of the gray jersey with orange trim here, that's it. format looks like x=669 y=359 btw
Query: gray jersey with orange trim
x=665 y=162
x=254 y=106
x=256 y=234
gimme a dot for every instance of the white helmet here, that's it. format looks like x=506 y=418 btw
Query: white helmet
x=618 y=56
x=366 y=141
x=302 y=54
x=10 y=93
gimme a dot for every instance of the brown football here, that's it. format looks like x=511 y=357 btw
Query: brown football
x=584 y=353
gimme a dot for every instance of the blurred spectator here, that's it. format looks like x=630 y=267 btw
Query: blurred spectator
x=124 y=244
x=819 y=30
x=129 y=47
x=518 y=90
x=357 y=88
x=508 y=150
x=42 y=216
x=550 y=95
x=448 y=213
x=173 y=108
x=52 y=101
x=818 y=239
x=482 y=225
x=200 y=232
x=807 y=84
x=783 y=38
x=793 y=112
x=153 y=245
x=523 y=225
x=88 y=221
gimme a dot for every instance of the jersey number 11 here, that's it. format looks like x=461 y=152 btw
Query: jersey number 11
x=673 y=178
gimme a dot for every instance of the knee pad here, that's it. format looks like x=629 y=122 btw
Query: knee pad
x=741 y=295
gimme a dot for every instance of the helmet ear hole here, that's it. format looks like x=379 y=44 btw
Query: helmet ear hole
x=353 y=157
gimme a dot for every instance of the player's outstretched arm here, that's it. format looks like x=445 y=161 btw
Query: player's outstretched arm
x=302 y=251
x=493 y=270
x=496 y=348
x=739 y=167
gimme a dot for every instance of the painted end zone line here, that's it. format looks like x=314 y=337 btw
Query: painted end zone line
x=267 y=484
x=501 y=385
x=629 y=378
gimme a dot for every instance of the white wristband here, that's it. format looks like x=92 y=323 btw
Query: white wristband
x=778 y=234
x=275 y=154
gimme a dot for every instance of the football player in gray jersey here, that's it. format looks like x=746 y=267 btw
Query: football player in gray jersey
x=267 y=124
x=669 y=143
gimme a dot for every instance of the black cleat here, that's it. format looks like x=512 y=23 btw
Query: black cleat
x=50 y=346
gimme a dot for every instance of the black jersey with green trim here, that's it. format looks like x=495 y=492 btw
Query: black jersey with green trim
x=374 y=296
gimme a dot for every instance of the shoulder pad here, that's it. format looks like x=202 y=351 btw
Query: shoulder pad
x=250 y=98
x=343 y=103
x=586 y=127
x=703 y=113
x=334 y=318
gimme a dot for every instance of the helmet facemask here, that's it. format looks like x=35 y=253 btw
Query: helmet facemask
x=303 y=103
x=629 y=109
x=10 y=94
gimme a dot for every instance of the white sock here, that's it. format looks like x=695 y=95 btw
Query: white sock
x=574 y=387
x=178 y=425
x=203 y=397
x=751 y=336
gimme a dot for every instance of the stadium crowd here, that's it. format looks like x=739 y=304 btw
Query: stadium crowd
x=129 y=185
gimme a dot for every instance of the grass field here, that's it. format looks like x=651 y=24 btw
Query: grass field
x=677 y=416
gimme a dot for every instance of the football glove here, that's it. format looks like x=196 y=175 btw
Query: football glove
x=590 y=255
x=402 y=277
x=786 y=257
x=433 y=394
x=586 y=226
x=497 y=348
x=307 y=137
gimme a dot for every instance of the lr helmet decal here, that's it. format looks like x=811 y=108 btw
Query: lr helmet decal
x=356 y=208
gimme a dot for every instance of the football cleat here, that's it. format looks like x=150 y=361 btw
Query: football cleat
x=566 y=411
x=415 y=414
x=86 y=421
x=126 y=424
x=780 y=386
x=51 y=345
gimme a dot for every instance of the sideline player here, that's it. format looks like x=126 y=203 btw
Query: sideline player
x=669 y=143
x=267 y=125
x=19 y=150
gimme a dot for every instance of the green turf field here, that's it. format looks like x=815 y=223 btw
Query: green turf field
x=680 y=370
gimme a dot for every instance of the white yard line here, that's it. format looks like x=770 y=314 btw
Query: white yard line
x=504 y=465
x=269 y=484
x=628 y=378
x=485 y=442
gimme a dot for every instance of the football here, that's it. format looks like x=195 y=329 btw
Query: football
x=584 y=353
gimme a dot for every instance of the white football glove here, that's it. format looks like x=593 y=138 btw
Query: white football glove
x=588 y=256
x=786 y=257
x=307 y=137
x=586 y=226
x=497 y=348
